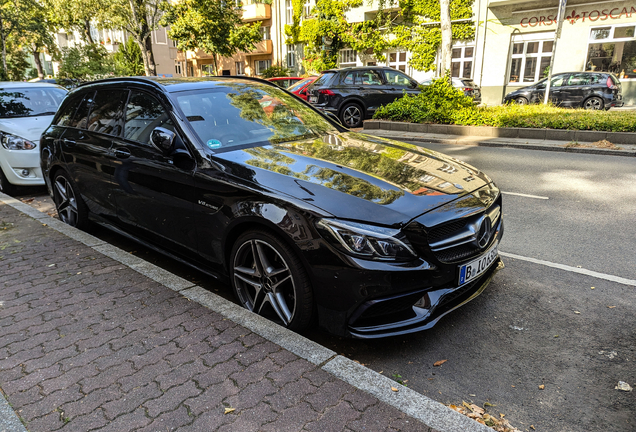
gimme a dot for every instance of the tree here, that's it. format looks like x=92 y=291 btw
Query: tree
x=447 y=36
x=139 y=18
x=128 y=59
x=86 y=62
x=78 y=15
x=37 y=34
x=275 y=71
x=213 y=26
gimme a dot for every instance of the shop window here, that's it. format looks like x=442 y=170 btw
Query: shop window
x=347 y=57
x=612 y=49
x=530 y=60
x=462 y=62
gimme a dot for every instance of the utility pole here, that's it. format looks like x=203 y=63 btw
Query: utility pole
x=557 y=36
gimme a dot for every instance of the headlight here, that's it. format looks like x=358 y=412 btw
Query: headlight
x=12 y=142
x=367 y=241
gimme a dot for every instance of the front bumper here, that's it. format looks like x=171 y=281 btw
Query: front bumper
x=15 y=162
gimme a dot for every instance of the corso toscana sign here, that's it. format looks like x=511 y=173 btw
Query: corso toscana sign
x=574 y=16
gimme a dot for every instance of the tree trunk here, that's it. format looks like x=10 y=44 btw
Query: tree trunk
x=5 y=70
x=38 y=62
x=447 y=36
x=152 y=67
x=87 y=31
x=216 y=66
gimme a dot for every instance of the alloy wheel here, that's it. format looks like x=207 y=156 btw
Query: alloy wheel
x=264 y=282
x=65 y=201
x=593 y=103
x=351 y=115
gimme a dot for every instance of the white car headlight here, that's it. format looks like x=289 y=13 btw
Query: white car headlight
x=13 y=142
x=368 y=241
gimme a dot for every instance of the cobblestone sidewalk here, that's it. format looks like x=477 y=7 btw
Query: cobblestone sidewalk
x=87 y=343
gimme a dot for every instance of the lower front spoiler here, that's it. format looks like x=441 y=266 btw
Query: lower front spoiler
x=438 y=302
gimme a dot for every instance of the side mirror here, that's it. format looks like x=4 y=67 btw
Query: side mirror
x=162 y=138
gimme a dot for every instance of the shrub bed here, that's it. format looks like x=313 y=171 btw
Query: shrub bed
x=442 y=103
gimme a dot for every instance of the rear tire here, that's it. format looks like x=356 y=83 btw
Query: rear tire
x=71 y=208
x=5 y=186
x=593 y=103
x=352 y=115
x=269 y=279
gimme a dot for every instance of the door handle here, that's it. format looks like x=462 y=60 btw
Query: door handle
x=69 y=142
x=122 y=153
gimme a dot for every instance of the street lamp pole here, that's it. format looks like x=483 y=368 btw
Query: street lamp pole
x=557 y=36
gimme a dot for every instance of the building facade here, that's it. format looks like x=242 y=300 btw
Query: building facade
x=513 y=44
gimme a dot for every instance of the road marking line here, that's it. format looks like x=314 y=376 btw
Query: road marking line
x=525 y=195
x=583 y=271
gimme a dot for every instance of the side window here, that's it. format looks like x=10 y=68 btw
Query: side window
x=81 y=116
x=557 y=81
x=396 y=78
x=369 y=77
x=66 y=114
x=143 y=114
x=350 y=78
x=580 y=79
x=107 y=115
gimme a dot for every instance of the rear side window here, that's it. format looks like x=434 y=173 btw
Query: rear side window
x=143 y=114
x=81 y=115
x=396 y=78
x=324 y=79
x=585 y=79
x=363 y=77
x=107 y=115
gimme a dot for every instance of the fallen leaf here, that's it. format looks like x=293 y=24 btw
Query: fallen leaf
x=394 y=389
x=477 y=409
x=511 y=386
x=488 y=404
x=611 y=307
x=541 y=387
x=472 y=395
x=622 y=385
x=592 y=287
x=577 y=312
x=439 y=363
x=532 y=427
x=556 y=335
x=229 y=410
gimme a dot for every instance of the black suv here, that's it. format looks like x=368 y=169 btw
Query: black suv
x=354 y=94
x=589 y=90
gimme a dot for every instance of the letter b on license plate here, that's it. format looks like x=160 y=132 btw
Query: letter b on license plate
x=473 y=269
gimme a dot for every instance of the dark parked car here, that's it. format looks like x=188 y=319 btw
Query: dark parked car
x=465 y=85
x=354 y=94
x=254 y=186
x=589 y=90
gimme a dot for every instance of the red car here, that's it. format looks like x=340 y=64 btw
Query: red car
x=299 y=88
x=284 y=82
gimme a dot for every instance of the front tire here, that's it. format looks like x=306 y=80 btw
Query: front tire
x=593 y=103
x=269 y=279
x=521 y=101
x=5 y=186
x=352 y=115
x=71 y=209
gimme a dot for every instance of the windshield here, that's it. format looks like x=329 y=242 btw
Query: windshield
x=249 y=114
x=300 y=84
x=28 y=102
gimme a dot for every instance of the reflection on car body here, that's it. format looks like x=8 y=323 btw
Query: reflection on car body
x=255 y=187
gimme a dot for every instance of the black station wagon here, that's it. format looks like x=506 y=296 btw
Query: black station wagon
x=255 y=187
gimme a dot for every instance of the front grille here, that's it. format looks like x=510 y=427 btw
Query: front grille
x=457 y=253
x=446 y=230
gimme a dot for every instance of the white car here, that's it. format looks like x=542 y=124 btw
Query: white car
x=26 y=110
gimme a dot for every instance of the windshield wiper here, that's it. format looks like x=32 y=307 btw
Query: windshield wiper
x=41 y=114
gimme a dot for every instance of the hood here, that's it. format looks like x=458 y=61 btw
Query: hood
x=26 y=127
x=358 y=177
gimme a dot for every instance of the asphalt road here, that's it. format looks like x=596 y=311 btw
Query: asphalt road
x=535 y=324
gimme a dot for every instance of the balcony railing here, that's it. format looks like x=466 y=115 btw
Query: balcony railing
x=262 y=47
x=256 y=12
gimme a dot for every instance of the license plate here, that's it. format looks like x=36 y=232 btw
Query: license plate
x=313 y=99
x=473 y=269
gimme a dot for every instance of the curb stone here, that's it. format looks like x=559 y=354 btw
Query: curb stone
x=408 y=401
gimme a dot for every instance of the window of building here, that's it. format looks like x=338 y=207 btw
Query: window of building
x=207 y=70
x=612 y=49
x=307 y=8
x=177 y=67
x=289 y=12
x=266 y=32
x=240 y=68
x=261 y=65
x=160 y=36
x=347 y=57
x=462 y=62
x=530 y=58
x=397 y=60
x=291 y=56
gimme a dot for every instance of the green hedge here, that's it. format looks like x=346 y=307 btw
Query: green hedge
x=441 y=103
